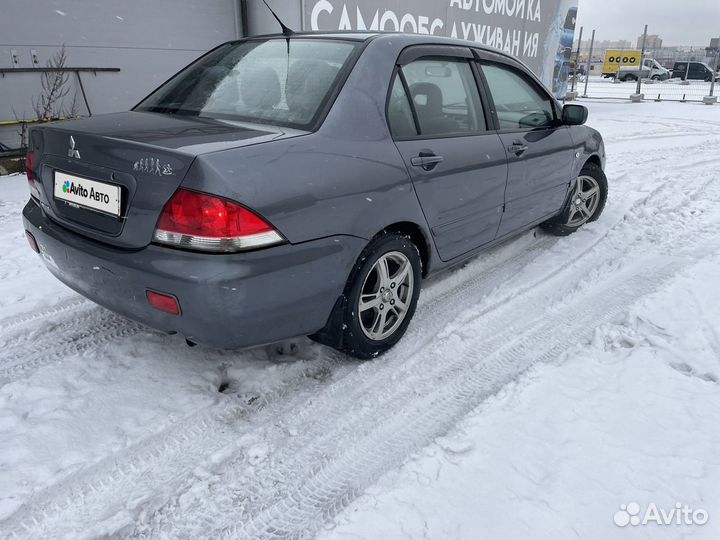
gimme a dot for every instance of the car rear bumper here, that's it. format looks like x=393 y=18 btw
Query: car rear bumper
x=226 y=301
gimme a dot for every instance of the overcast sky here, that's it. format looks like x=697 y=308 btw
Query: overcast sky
x=678 y=22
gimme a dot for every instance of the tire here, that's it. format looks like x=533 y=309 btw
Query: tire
x=350 y=329
x=571 y=219
x=629 y=78
x=656 y=77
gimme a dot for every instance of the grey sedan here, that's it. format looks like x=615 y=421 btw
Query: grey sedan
x=305 y=185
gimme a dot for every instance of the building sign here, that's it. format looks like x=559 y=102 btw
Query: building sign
x=538 y=32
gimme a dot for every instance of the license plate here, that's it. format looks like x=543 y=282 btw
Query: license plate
x=86 y=193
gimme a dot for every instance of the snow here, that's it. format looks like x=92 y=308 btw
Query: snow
x=540 y=387
x=628 y=417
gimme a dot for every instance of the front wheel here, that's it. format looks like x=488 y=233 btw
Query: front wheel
x=586 y=202
x=380 y=297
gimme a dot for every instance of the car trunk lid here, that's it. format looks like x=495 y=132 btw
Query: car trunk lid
x=143 y=157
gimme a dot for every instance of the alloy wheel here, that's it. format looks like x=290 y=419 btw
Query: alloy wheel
x=386 y=295
x=584 y=201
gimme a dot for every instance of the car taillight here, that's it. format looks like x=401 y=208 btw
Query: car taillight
x=202 y=222
x=32 y=182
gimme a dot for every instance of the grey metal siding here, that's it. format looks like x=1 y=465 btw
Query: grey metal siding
x=148 y=40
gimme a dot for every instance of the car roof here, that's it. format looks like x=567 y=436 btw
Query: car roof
x=410 y=39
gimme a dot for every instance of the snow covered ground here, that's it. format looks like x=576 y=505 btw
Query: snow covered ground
x=539 y=388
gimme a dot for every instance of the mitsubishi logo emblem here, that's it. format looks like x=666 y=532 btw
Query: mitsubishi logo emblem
x=72 y=152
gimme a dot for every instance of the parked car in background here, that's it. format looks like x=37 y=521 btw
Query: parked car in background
x=693 y=71
x=650 y=69
x=305 y=185
x=576 y=70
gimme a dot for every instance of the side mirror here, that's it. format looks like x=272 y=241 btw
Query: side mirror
x=574 y=115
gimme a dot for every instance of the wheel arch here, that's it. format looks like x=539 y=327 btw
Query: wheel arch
x=418 y=237
x=594 y=159
x=328 y=335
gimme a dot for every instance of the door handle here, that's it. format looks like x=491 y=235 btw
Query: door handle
x=518 y=148
x=427 y=160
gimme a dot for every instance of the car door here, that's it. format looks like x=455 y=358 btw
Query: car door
x=457 y=165
x=680 y=70
x=698 y=72
x=539 y=149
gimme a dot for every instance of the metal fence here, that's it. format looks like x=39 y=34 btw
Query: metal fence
x=672 y=74
x=668 y=90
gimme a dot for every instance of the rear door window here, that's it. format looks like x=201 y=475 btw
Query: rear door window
x=443 y=95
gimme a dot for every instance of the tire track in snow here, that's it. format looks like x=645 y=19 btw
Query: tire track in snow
x=26 y=351
x=316 y=497
x=70 y=304
x=147 y=470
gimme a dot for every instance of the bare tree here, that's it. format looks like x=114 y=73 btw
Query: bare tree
x=50 y=104
x=23 y=129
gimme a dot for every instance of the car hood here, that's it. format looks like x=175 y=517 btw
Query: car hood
x=189 y=135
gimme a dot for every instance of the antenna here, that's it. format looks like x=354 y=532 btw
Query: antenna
x=285 y=30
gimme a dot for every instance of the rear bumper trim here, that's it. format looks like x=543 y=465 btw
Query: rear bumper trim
x=228 y=300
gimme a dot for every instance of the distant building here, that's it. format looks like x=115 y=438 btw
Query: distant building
x=653 y=41
x=605 y=44
x=618 y=44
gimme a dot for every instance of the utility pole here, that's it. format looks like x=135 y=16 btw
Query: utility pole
x=637 y=97
x=587 y=71
x=714 y=48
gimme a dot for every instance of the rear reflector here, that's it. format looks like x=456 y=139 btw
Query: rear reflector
x=163 y=302
x=33 y=243
x=202 y=222
x=29 y=165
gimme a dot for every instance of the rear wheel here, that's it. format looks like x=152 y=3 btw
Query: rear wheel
x=586 y=202
x=380 y=298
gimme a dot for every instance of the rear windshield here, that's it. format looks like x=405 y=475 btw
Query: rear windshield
x=276 y=81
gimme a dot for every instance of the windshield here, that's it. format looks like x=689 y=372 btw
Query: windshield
x=277 y=81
